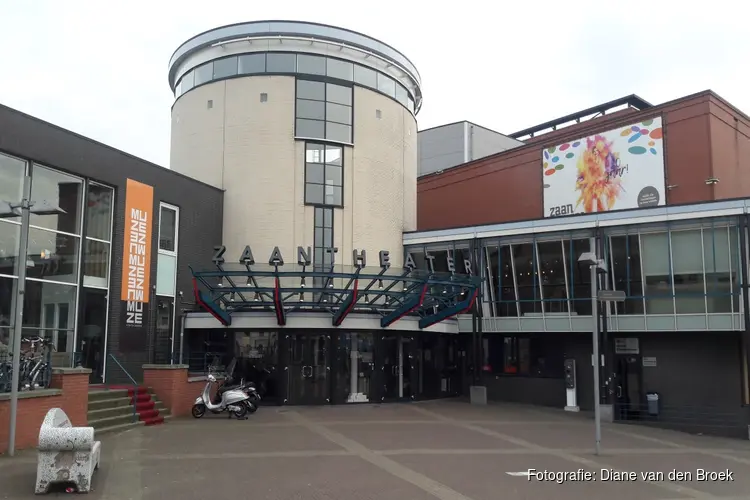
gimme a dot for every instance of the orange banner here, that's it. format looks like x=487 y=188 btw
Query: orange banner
x=136 y=252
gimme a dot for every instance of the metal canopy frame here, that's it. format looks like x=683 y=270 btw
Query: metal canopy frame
x=339 y=290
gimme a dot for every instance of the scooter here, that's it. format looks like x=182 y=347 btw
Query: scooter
x=246 y=387
x=233 y=401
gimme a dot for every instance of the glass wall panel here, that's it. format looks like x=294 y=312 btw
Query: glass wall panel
x=461 y=255
x=9 y=234
x=99 y=212
x=625 y=266
x=439 y=258
x=417 y=255
x=491 y=275
x=552 y=276
x=524 y=263
x=7 y=296
x=579 y=278
x=12 y=171
x=716 y=254
x=49 y=312
x=687 y=267
x=52 y=256
x=735 y=262
x=507 y=305
x=59 y=190
x=520 y=355
x=95 y=263
x=658 y=283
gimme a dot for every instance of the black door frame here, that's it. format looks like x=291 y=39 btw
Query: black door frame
x=284 y=343
x=84 y=302
x=407 y=361
x=632 y=410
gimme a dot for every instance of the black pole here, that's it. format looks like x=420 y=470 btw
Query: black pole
x=745 y=287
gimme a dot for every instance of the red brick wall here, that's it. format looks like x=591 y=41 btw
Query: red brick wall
x=171 y=385
x=31 y=410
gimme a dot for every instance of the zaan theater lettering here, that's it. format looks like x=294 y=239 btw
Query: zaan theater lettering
x=136 y=284
x=359 y=258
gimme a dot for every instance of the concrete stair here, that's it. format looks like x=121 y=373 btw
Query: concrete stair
x=115 y=409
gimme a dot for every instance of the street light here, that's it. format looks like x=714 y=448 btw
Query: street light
x=24 y=210
x=597 y=266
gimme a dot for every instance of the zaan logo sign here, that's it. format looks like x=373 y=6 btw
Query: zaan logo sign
x=136 y=258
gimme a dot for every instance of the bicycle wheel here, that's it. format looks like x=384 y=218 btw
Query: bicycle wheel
x=43 y=377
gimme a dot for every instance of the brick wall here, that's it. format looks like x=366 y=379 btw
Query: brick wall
x=172 y=385
x=69 y=391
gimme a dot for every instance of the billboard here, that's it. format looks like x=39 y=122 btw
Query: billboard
x=615 y=170
x=136 y=252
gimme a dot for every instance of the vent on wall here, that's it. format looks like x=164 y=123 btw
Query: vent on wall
x=378 y=114
x=263 y=97
x=210 y=104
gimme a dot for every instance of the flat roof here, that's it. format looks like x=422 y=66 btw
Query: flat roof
x=587 y=221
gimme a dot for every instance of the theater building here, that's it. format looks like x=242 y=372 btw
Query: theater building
x=660 y=194
x=275 y=237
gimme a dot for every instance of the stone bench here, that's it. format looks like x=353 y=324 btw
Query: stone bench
x=66 y=454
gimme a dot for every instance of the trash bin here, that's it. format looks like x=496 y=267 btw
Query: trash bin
x=652 y=401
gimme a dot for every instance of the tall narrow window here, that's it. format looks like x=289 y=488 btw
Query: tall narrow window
x=324 y=111
x=324 y=175
x=323 y=238
x=97 y=244
x=166 y=267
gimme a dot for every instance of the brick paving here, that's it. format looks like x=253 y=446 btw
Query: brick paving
x=447 y=450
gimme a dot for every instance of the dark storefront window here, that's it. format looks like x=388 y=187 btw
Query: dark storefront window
x=625 y=266
x=60 y=190
x=528 y=356
x=524 y=263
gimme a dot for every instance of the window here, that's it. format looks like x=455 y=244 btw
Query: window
x=9 y=234
x=251 y=64
x=48 y=312
x=402 y=95
x=311 y=65
x=366 y=76
x=186 y=83
x=552 y=265
x=386 y=85
x=204 y=73
x=656 y=274
x=7 y=308
x=96 y=246
x=324 y=176
x=224 y=68
x=166 y=263
x=324 y=111
x=52 y=256
x=342 y=70
x=717 y=251
x=323 y=238
x=687 y=266
x=524 y=262
x=57 y=190
x=281 y=63
x=580 y=277
x=530 y=356
x=12 y=171
x=167 y=229
x=625 y=264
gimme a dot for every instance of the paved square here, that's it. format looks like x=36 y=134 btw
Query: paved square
x=444 y=450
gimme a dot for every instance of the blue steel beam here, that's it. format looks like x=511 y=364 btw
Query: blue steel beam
x=408 y=306
x=450 y=311
x=346 y=305
x=203 y=301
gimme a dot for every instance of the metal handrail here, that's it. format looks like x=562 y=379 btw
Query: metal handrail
x=135 y=385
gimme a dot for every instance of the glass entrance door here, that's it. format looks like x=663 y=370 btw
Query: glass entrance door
x=396 y=368
x=307 y=362
x=91 y=336
x=354 y=368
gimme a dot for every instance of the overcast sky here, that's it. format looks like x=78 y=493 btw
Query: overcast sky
x=99 y=67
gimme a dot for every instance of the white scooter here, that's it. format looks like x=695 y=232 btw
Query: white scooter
x=235 y=402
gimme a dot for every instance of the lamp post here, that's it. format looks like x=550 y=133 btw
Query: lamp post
x=24 y=210
x=596 y=266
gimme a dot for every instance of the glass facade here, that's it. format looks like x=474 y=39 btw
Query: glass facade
x=276 y=63
x=680 y=275
x=323 y=111
x=68 y=253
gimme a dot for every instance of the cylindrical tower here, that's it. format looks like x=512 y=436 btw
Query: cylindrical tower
x=310 y=129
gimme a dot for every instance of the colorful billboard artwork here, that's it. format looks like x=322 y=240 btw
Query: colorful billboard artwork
x=615 y=170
